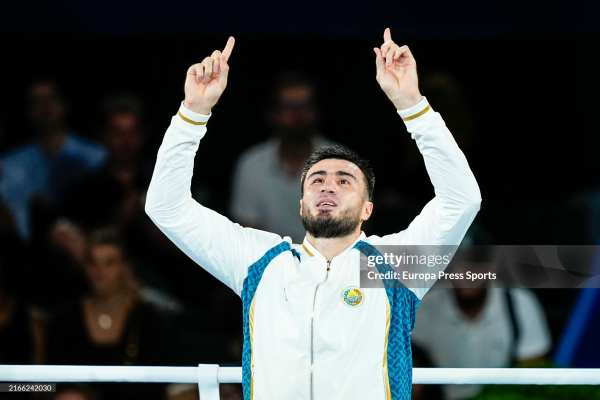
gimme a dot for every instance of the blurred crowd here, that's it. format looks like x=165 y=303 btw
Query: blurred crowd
x=87 y=279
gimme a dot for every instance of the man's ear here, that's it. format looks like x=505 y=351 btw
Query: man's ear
x=367 y=211
x=300 y=207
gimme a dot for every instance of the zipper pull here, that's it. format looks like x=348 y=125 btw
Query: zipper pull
x=328 y=264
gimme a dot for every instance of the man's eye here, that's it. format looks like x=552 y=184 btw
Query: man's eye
x=343 y=181
x=318 y=180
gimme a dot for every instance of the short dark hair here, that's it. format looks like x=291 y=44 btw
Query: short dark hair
x=341 y=153
x=122 y=103
x=47 y=81
x=109 y=236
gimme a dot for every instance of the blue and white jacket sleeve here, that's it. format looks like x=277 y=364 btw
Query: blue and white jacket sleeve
x=223 y=248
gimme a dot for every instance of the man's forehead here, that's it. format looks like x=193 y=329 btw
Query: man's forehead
x=333 y=165
x=298 y=92
x=42 y=89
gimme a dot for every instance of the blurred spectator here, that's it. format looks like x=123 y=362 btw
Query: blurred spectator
x=57 y=276
x=74 y=391
x=266 y=188
x=163 y=266
x=231 y=391
x=112 y=326
x=184 y=391
x=112 y=195
x=41 y=170
x=481 y=328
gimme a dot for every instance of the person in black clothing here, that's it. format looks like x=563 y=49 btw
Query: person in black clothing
x=111 y=326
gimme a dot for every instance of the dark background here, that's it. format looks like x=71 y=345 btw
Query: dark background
x=528 y=74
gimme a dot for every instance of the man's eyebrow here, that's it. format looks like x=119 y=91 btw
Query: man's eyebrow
x=317 y=173
x=344 y=173
x=338 y=173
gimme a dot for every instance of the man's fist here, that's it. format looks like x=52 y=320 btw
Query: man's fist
x=397 y=73
x=207 y=80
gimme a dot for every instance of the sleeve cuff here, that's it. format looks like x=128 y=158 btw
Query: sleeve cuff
x=191 y=117
x=415 y=111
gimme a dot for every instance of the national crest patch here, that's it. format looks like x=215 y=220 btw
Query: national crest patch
x=353 y=296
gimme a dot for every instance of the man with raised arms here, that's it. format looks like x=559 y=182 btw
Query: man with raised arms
x=310 y=331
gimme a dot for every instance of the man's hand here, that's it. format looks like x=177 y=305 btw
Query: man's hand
x=397 y=73
x=207 y=80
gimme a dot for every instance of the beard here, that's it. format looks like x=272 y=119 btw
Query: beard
x=324 y=226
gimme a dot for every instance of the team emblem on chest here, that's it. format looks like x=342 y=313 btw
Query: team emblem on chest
x=353 y=296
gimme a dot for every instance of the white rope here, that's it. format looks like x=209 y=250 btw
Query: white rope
x=507 y=376
x=72 y=373
x=498 y=376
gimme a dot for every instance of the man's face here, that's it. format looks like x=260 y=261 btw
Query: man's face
x=46 y=109
x=124 y=137
x=106 y=269
x=294 y=114
x=335 y=201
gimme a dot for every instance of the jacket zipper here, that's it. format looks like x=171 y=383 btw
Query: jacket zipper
x=312 y=318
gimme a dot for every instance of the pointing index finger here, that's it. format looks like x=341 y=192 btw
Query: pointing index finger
x=387 y=36
x=228 y=48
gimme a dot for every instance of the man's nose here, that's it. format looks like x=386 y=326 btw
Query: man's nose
x=328 y=186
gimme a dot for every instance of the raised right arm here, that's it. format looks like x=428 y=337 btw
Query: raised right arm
x=223 y=248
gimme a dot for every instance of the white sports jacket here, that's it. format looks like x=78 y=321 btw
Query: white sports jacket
x=310 y=332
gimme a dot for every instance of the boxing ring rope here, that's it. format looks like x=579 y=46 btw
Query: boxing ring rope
x=208 y=376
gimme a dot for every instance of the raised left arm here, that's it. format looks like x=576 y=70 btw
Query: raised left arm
x=446 y=218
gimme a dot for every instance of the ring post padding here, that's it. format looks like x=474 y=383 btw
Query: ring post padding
x=208 y=381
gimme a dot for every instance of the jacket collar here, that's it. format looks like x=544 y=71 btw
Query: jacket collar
x=310 y=251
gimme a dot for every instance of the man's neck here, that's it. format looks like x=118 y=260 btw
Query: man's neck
x=113 y=301
x=331 y=248
x=53 y=140
x=293 y=153
x=472 y=308
x=124 y=172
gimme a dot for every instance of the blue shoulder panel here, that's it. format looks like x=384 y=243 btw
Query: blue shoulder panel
x=296 y=254
x=255 y=273
x=403 y=306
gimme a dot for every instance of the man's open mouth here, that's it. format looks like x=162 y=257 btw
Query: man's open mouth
x=324 y=205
